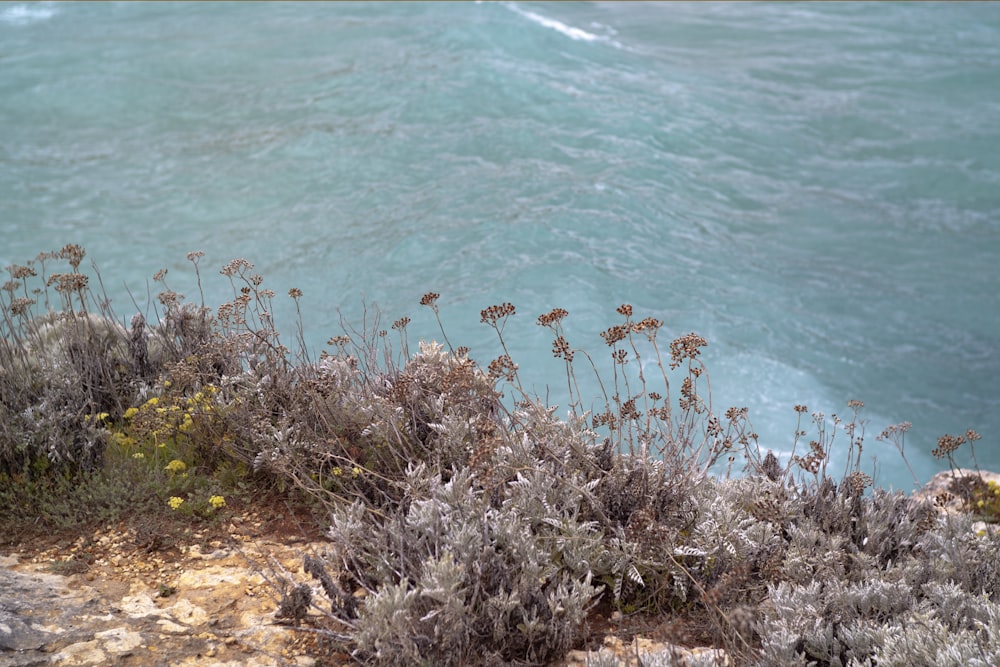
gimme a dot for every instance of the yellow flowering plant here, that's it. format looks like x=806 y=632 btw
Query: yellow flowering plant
x=985 y=501
x=197 y=505
x=170 y=428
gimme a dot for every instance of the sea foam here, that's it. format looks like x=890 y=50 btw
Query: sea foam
x=25 y=14
x=574 y=33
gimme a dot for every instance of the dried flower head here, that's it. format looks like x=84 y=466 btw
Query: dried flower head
x=339 y=341
x=689 y=395
x=18 y=272
x=814 y=460
x=21 y=305
x=74 y=254
x=948 y=444
x=856 y=483
x=502 y=366
x=295 y=293
x=686 y=348
x=236 y=266
x=614 y=334
x=68 y=282
x=552 y=317
x=624 y=309
x=735 y=414
x=493 y=313
x=401 y=323
x=648 y=326
x=561 y=348
x=429 y=299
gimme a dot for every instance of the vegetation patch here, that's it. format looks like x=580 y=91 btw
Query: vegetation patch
x=469 y=523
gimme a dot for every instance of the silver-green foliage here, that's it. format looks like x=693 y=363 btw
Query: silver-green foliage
x=887 y=590
x=454 y=577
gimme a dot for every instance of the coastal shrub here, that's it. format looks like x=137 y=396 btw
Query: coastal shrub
x=469 y=521
x=57 y=369
x=530 y=512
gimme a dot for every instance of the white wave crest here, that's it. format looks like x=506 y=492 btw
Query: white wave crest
x=573 y=33
x=25 y=14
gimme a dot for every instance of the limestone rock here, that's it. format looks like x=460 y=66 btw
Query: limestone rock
x=215 y=611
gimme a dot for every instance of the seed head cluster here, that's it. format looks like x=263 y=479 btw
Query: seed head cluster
x=949 y=443
x=552 y=317
x=503 y=366
x=686 y=348
x=561 y=349
x=615 y=334
x=493 y=313
x=236 y=266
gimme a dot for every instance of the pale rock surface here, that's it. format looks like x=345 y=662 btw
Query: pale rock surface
x=214 y=610
x=944 y=491
x=641 y=651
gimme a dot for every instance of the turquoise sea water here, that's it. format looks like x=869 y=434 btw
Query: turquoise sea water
x=815 y=188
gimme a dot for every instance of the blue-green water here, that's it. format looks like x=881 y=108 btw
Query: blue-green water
x=814 y=187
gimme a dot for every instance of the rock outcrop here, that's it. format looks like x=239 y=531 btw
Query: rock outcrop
x=210 y=608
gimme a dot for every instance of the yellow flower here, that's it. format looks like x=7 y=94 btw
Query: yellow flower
x=138 y=455
x=217 y=501
x=356 y=471
x=102 y=417
x=131 y=412
x=166 y=384
x=175 y=502
x=980 y=504
x=337 y=471
x=153 y=401
x=176 y=466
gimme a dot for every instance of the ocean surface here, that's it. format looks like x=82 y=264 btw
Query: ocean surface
x=814 y=188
